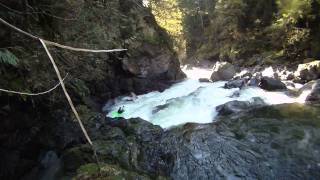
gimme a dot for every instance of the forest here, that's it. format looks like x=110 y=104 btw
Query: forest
x=237 y=30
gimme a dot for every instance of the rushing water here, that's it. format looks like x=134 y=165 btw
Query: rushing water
x=192 y=101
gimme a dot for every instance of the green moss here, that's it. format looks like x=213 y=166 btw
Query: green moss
x=152 y=40
x=89 y=169
x=297 y=113
x=86 y=114
x=297 y=134
x=107 y=171
x=114 y=151
x=75 y=157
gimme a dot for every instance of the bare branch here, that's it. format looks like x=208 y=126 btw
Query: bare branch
x=66 y=93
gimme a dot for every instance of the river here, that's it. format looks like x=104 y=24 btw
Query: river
x=193 y=101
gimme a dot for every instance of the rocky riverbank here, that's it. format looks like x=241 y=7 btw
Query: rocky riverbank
x=268 y=142
x=247 y=140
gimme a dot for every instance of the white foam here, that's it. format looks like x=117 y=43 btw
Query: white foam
x=269 y=72
x=197 y=73
x=192 y=101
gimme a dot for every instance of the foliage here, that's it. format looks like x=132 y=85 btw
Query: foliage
x=293 y=10
x=6 y=57
x=241 y=29
x=169 y=17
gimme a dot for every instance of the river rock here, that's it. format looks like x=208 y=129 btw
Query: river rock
x=204 y=80
x=314 y=96
x=239 y=106
x=271 y=84
x=308 y=71
x=223 y=71
x=253 y=82
x=259 y=144
x=269 y=141
x=239 y=83
x=290 y=76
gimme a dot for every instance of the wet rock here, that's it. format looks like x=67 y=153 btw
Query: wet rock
x=259 y=144
x=204 y=80
x=290 y=84
x=223 y=71
x=314 y=96
x=134 y=146
x=307 y=86
x=235 y=94
x=253 y=82
x=235 y=84
x=290 y=77
x=246 y=75
x=269 y=141
x=159 y=108
x=239 y=106
x=143 y=130
x=271 y=84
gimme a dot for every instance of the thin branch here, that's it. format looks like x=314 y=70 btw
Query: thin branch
x=35 y=12
x=13 y=10
x=33 y=94
x=57 y=44
x=66 y=93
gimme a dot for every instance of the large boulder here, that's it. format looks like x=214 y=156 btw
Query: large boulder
x=308 y=71
x=271 y=84
x=314 y=96
x=233 y=107
x=223 y=71
x=264 y=143
x=153 y=61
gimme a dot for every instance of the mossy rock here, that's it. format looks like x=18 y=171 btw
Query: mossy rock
x=75 y=157
x=107 y=172
x=113 y=150
x=86 y=114
x=295 y=112
x=89 y=169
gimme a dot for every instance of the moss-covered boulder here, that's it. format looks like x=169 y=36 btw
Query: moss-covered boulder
x=109 y=172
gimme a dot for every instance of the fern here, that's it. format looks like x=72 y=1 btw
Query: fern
x=6 y=57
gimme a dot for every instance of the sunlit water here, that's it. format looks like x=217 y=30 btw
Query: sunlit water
x=192 y=101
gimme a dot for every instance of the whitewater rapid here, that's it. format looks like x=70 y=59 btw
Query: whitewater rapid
x=192 y=101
